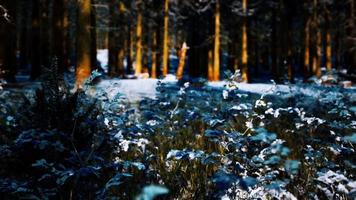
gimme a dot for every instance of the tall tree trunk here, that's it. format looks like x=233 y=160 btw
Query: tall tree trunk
x=129 y=49
x=84 y=46
x=210 y=65
x=328 y=51
x=233 y=58
x=45 y=45
x=113 y=39
x=138 y=69
x=351 y=39
x=23 y=32
x=274 y=47
x=318 y=43
x=198 y=31
x=216 y=69
x=65 y=35
x=182 y=56
x=122 y=41
x=93 y=32
x=244 y=56
x=35 y=40
x=59 y=32
x=306 y=60
x=165 y=59
x=154 y=55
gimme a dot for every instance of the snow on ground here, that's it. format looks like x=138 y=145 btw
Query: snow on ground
x=137 y=89
x=102 y=57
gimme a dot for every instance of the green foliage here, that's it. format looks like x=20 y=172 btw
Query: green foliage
x=60 y=147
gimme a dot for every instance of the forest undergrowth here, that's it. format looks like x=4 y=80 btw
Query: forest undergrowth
x=190 y=142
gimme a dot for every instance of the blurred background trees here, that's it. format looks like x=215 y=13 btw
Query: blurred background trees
x=279 y=39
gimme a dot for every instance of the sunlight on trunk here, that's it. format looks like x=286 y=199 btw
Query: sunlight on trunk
x=182 y=56
x=154 y=56
x=165 y=39
x=138 y=69
x=328 y=52
x=83 y=43
x=307 y=47
x=216 y=70
x=210 y=65
x=244 y=43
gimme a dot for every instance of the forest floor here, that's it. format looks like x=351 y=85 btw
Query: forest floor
x=138 y=89
x=221 y=140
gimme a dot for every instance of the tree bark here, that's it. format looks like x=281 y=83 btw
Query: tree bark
x=84 y=42
x=318 y=43
x=165 y=59
x=182 y=56
x=138 y=68
x=244 y=56
x=154 y=55
x=216 y=69
x=306 y=60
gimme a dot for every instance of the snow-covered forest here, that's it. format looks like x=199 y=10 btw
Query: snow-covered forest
x=177 y=99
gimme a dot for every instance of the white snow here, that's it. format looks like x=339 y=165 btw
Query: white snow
x=102 y=57
x=137 y=89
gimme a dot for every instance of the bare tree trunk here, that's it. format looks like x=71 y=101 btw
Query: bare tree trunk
x=216 y=69
x=318 y=43
x=306 y=61
x=35 y=39
x=59 y=32
x=274 y=48
x=154 y=55
x=113 y=40
x=351 y=39
x=129 y=49
x=210 y=65
x=138 y=69
x=45 y=46
x=328 y=51
x=182 y=56
x=165 y=59
x=84 y=46
x=244 y=56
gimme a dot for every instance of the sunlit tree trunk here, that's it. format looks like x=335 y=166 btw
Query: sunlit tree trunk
x=138 y=69
x=318 y=43
x=216 y=69
x=317 y=55
x=210 y=65
x=244 y=57
x=328 y=51
x=182 y=56
x=84 y=46
x=306 y=60
x=165 y=59
x=154 y=55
